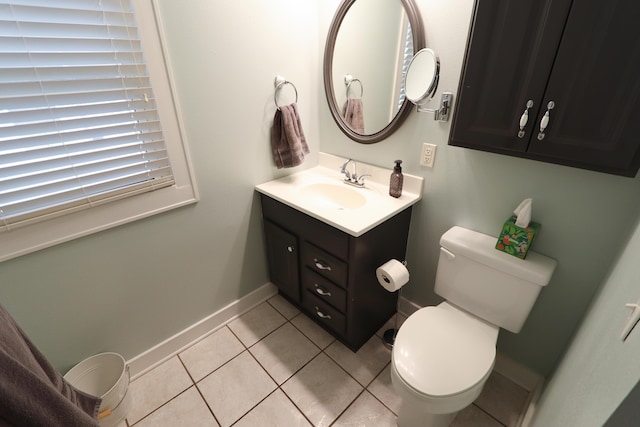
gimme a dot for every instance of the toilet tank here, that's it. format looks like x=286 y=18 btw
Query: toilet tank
x=488 y=283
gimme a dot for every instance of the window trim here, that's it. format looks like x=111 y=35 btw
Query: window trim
x=44 y=234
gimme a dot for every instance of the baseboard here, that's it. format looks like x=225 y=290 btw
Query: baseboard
x=406 y=307
x=519 y=374
x=158 y=354
x=532 y=404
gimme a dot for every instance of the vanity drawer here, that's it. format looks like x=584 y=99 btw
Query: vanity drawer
x=324 y=264
x=324 y=313
x=324 y=289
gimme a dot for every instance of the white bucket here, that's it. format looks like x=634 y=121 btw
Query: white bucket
x=105 y=375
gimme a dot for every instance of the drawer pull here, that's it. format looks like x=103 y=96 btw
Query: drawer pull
x=290 y=249
x=322 y=315
x=320 y=265
x=321 y=291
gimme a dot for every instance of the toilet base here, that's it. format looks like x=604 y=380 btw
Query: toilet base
x=410 y=416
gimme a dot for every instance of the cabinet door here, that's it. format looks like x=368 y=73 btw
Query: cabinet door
x=282 y=257
x=595 y=86
x=510 y=52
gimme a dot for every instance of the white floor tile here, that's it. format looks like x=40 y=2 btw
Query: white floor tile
x=239 y=390
x=284 y=307
x=366 y=411
x=315 y=333
x=210 y=353
x=235 y=388
x=283 y=352
x=503 y=399
x=186 y=410
x=472 y=416
x=156 y=387
x=256 y=324
x=275 y=411
x=382 y=389
x=321 y=390
x=364 y=365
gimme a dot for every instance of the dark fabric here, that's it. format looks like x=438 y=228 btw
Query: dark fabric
x=287 y=137
x=32 y=391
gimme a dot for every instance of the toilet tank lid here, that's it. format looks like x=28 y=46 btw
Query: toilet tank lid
x=480 y=247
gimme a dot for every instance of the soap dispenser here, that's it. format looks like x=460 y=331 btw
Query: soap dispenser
x=395 y=183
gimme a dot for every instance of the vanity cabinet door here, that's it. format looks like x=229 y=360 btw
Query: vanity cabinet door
x=583 y=56
x=282 y=257
x=595 y=88
x=510 y=51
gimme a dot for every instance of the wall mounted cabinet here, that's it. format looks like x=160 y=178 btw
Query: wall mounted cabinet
x=331 y=275
x=575 y=62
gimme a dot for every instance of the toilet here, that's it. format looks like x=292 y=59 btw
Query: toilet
x=443 y=355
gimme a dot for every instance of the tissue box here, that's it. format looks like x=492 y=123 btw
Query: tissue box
x=516 y=240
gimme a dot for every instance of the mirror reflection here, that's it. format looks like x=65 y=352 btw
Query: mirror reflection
x=369 y=48
x=422 y=77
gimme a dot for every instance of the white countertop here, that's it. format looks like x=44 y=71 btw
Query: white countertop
x=378 y=206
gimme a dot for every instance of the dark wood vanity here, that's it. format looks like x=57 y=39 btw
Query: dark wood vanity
x=578 y=60
x=331 y=275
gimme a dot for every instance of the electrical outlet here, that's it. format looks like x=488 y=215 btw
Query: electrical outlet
x=428 y=155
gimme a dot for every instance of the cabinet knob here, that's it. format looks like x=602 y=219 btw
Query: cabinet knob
x=290 y=249
x=524 y=118
x=321 y=265
x=545 y=120
x=322 y=315
x=321 y=291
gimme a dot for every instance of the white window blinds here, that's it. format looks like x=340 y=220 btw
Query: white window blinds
x=78 y=121
x=407 y=56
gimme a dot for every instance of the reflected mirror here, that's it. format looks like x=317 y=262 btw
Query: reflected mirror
x=369 y=47
x=422 y=77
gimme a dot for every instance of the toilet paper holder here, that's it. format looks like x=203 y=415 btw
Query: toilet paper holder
x=389 y=335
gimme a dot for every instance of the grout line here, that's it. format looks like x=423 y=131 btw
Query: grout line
x=490 y=415
x=364 y=390
x=195 y=385
x=247 y=348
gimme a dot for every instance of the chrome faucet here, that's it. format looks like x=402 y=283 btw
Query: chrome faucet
x=345 y=172
x=352 y=178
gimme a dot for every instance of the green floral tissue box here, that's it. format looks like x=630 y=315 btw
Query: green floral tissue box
x=516 y=240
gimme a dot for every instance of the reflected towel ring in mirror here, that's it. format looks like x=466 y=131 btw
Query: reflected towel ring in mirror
x=348 y=80
x=421 y=83
x=279 y=82
x=352 y=48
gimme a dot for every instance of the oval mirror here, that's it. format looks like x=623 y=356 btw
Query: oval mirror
x=422 y=77
x=369 y=47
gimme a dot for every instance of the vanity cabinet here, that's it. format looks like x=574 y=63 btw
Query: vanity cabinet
x=331 y=275
x=575 y=62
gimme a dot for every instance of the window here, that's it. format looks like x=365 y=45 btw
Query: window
x=89 y=136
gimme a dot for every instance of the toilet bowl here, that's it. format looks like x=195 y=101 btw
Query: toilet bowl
x=443 y=355
x=441 y=358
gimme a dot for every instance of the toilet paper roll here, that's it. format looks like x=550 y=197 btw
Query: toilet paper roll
x=392 y=275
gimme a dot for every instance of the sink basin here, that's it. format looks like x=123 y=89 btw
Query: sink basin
x=321 y=193
x=337 y=195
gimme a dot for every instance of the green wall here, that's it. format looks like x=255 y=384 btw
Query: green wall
x=129 y=288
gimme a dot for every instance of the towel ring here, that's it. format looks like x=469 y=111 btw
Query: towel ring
x=279 y=82
x=348 y=80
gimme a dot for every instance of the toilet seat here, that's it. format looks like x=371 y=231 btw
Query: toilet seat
x=444 y=351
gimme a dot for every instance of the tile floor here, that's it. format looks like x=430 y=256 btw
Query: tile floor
x=274 y=367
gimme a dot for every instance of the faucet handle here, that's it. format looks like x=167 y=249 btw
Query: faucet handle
x=360 y=179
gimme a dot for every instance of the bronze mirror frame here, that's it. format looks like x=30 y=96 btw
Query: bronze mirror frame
x=417 y=29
